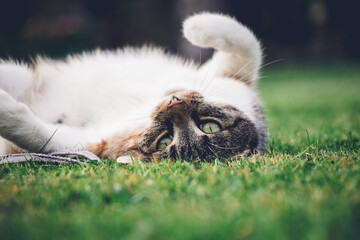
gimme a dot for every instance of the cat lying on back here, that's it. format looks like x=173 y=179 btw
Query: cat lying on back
x=141 y=102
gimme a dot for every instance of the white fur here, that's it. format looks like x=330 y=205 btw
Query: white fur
x=103 y=92
x=16 y=79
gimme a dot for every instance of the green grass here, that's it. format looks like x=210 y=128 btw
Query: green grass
x=306 y=186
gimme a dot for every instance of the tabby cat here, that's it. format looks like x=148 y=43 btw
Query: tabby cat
x=141 y=102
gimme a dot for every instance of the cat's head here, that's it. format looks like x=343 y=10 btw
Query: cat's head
x=187 y=126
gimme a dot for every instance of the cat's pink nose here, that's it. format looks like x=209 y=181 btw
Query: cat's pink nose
x=174 y=100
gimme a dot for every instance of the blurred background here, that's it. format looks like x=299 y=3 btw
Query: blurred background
x=294 y=30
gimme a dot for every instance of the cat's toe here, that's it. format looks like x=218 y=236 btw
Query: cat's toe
x=210 y=30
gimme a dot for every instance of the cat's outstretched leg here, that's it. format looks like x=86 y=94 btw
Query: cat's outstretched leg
x=17 y=80
x=20 y=126
x=238 y=53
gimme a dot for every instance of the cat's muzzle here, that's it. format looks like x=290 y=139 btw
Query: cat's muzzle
x=174 y=101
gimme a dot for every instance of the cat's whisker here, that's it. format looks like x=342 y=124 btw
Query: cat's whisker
x=191 y=57
x=200 y=56
x=194 y=84
x=209 y=81
x=262 y=77
x=231 y=77
x=222 y=89
x=213 y=95
x=257 y=69
x=212 y=151
x=229 y=148
x=207 y=72
x=241 y=69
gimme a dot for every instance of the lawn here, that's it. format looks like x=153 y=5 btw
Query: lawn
x=306 y=186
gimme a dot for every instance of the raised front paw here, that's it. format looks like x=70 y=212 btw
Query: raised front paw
x=218 y=31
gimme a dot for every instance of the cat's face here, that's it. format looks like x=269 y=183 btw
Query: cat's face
x=187 y=126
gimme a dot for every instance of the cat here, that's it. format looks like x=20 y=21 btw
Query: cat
x=140 y=102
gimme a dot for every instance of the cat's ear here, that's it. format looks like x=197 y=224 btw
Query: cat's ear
x=239 y=53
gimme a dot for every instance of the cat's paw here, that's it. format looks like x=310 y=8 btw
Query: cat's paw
x=218 y=31
x=9 y=107
x=124 y=160
x=19 y=125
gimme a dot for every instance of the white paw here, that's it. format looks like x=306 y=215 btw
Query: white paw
x=218 y=31
x=124 y=160
x=10 y=109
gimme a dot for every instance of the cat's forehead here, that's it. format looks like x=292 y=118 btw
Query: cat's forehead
x=188 y=97
x=231 y=93
x=192 y=105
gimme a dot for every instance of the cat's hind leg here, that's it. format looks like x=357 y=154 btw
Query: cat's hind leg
x=20 y=126
x=238 y=55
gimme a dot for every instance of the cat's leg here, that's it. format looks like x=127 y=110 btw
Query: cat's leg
x=17 y=79
x=20 y=126
x=238 y=53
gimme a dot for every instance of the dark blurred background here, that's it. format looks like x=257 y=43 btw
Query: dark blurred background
x=303 y=30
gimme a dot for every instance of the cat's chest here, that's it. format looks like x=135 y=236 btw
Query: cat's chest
x=102 y=98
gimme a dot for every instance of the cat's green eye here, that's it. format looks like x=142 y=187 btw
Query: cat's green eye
x=210 y=127
x=164 y=142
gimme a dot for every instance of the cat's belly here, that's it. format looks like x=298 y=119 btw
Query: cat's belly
x=107 y=101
